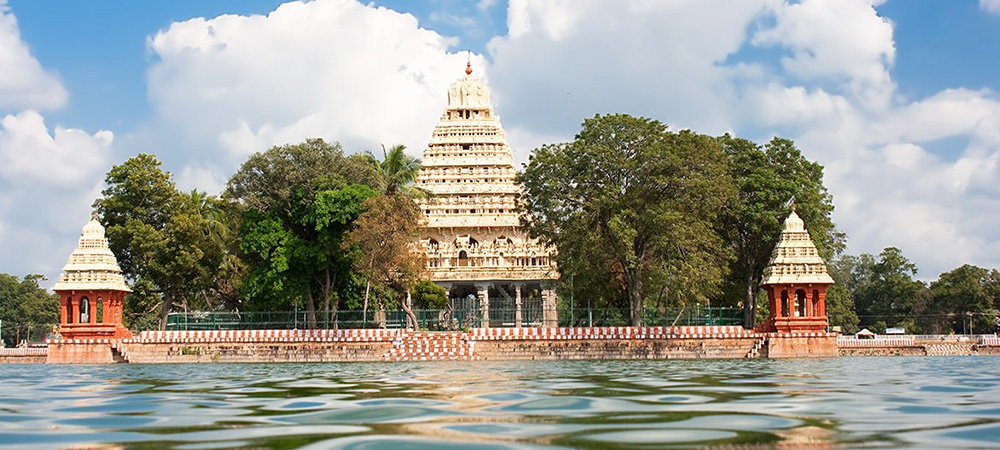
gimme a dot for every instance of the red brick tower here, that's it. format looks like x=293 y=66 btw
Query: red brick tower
x=92 y=289
x=796 y=281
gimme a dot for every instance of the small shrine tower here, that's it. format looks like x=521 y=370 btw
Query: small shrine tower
x=472 y=239
x=796 y=281
x=92 y=289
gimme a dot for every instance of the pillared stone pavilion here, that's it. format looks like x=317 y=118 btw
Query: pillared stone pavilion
x=473 y=240
x=92 y=289
x=796 y=280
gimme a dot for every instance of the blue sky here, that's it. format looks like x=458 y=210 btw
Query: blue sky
x=898 y=99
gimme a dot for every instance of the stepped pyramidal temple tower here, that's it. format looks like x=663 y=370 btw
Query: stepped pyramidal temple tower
x=92 y=289
x=473 y=240
x=796 y=281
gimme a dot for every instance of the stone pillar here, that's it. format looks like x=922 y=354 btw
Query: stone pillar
x=483 y=292
x=549 y=314
x=517 y=305
x=114 y=308
x=63 y=314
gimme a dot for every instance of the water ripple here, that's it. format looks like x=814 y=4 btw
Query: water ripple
x=835 y=402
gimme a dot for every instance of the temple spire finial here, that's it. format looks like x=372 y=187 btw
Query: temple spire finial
x=468 y=64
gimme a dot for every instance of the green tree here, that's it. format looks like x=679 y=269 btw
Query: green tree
x=964 y=300
x=840 y=309
x=766 y=179
x=428 y=295
x=27 y=311
x=165 y=243
x=638 y=201
x=383 y=236
x=397 y=171
x=298 y=201
x=885 y=291
x=396 y=174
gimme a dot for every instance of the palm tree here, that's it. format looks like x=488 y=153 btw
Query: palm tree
x=398 y=171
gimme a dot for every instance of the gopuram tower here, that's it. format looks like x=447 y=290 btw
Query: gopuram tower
x=473 y=241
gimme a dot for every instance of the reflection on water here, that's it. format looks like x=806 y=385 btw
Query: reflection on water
x=923 y=402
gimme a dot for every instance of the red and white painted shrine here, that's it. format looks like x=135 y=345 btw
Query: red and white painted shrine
x=92 y=289
x=796 y=281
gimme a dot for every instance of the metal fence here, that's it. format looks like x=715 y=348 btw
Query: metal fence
x=690 y=316
x=456 y=318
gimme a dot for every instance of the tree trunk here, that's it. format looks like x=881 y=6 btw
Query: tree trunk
x=165 y=307
x=749 y=302
x=327 y=287
x=364 y=308
x=310 y=310
x=635 y=297
x=679 y=314
x=409 y=312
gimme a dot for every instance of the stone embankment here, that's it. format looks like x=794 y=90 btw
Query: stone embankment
x=477 y=344
x=487 y=344
x=23 y=355
x=616 y=343
x=912 y=346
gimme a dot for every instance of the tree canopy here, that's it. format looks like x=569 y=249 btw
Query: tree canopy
x=169 y=245
x=298 y=202
x=635 y=206
x=27 y=310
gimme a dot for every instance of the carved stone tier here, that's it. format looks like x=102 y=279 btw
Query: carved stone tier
x=472 y=236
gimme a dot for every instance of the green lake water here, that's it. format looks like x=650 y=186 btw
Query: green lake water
x=900 y=402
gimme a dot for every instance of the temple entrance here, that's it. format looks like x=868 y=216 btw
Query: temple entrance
x=467 y=306
x=503 y=306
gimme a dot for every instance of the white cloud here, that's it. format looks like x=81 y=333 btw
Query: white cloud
x=564 y=61
x=485 y=5
x=47 y=185
x=201 y=179
x=41 y=223
x=233 y=85
x=68 y=156
x=23 y=82
x=990 y=6
x=843 y=41
x=948 y=113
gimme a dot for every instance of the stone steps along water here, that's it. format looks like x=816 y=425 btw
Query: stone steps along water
x=948 y=349
x=431 y=346
x=118 y=352
x=755 y=352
